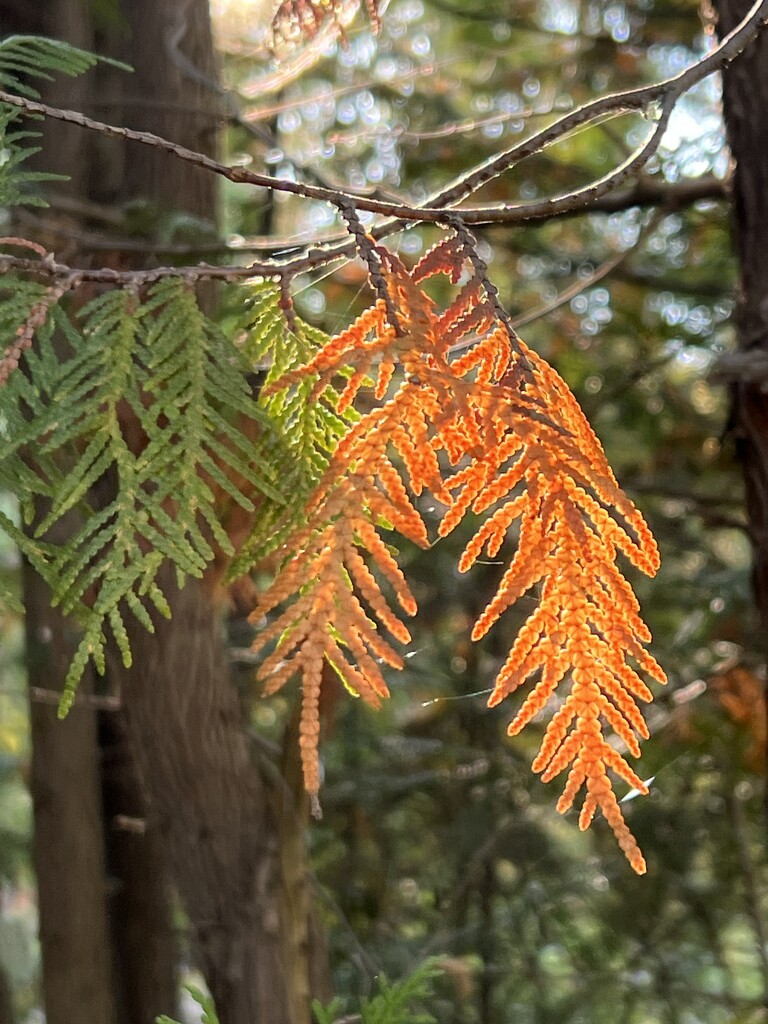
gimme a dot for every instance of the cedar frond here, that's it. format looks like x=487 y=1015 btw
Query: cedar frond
x=23 y=309
x=298 y=21
x=24 y=60
x=356 y=348
x=374 y=14
x=136 y=419
x=305 y=426
x=445 y=257
x=200 y=406
x=68 y=437
x=573 y=519
x=328 y=587
x=486 y=426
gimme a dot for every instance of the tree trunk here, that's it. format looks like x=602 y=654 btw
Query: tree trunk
x=745 y=102
x=144 y=944
x=6 y=1000
x=81 y=772
x=143 y=947
x=211 y=806
x=304 y=951
x=68 y=847
x=68 y=842
x=183 y=715
x=221 y=826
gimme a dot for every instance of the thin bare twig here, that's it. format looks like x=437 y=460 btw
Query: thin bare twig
x=606 y=267
x=39 y=695
x=670 y=195
x=665 y=93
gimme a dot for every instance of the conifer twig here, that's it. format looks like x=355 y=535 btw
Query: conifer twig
x=665 y=93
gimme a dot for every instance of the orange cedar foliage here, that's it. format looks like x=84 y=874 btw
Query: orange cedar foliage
x=526 y=452
x=587 y=622
x=297 y=21
x=741 y=693
x=324 y=582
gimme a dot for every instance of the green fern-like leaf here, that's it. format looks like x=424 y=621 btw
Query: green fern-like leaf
x=136 y=426
x=394 y=1003
x=23 y=398
x=205 y=1003
x=207 y=434
x=15 y=179
x=24 y=59
x=207 y=1009
x=68 y=443
x=307 y=428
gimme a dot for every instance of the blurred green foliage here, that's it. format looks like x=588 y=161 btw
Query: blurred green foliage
x=200 y=999
x=393 y=1003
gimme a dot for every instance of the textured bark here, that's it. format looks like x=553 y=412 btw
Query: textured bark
x=143 y=943
x=211 y=806
x=140 y=904
x=89 y=891
x=20 y=16
x=304 y=952
x=745 y=101
x=172 y=93
x=182 y=712
x=222 y=829
x=68 y=849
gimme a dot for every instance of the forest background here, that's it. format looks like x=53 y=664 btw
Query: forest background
x=436 y=840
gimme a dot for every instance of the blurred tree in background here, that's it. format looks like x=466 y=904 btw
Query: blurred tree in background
x=436 y=840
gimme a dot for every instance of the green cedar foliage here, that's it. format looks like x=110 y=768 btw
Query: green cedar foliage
x=207 y=1009
x=308 y=426
x=132 y=431
x=154 y=367
x=395 y=1002
x=24 y=59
